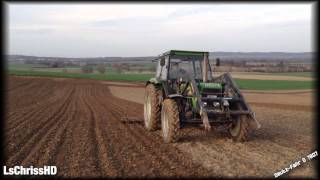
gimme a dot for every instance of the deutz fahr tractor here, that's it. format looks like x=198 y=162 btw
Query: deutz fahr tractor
x=184 y=91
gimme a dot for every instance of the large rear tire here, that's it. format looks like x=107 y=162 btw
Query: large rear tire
x=152 y=109
x=169 y=120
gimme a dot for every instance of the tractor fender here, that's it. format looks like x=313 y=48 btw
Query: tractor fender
x=153 y=81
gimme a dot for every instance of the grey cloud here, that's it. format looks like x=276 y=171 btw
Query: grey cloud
x=148 y=35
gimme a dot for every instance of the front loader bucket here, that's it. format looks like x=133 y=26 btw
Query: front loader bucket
x=230 y=84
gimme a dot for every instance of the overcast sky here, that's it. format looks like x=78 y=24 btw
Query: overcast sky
x=93 y=30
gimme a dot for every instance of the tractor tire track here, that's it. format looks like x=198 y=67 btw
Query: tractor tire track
x=40 y=115
x=23 y=118
x=37 y=102
x=78 y=148
x=148 y=142
x=48 y=146
x=21 y=148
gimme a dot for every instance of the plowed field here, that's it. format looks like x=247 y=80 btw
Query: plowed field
x=75 y=125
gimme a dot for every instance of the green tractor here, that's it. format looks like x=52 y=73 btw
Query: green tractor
x=184 y=91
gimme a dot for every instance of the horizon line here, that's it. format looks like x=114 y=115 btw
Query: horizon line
x=289 y=52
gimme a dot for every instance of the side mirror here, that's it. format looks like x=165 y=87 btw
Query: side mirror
x=162 y=62
x=217 y=62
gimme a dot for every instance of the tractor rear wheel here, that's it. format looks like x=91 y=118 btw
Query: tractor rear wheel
x=169 y=120
x=240 y=129
x=152 y=109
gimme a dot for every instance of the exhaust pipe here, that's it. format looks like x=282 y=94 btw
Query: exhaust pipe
x=205 y=67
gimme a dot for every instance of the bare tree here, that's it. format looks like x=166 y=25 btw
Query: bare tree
x=87 y=69
x=282 y=66
x=101 y=68
x=125 y=66
x=117 y=67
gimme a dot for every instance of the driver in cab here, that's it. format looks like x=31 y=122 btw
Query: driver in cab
x=177 y=72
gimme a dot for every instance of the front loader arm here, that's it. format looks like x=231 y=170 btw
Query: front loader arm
x=202 y=110
x=230 y=85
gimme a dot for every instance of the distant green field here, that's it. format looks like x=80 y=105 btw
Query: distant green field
x=301 y=74
x=72 y=69
x=24 y=66
x=273 y=84
x=107 y=76
x=242 y=83
x=298 y=74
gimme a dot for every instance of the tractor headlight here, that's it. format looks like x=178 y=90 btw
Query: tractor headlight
x=225 y=102
x=216 y=104
x=204 y=103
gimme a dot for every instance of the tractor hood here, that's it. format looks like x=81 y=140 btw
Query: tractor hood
x=209 y=86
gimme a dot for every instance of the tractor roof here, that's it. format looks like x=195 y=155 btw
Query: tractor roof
x=183 y=53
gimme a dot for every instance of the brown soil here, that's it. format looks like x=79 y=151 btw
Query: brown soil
x=123 y=84
x=75 y=125
x=130 y=94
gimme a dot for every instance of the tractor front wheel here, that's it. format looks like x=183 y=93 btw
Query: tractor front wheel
x=240 y=129
x=151 y=107
x=169 y=120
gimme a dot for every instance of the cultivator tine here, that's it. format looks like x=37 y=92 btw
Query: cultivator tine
x=205 y=120
x=130 y=120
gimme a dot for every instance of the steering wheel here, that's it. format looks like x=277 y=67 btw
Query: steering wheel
x=183 y=78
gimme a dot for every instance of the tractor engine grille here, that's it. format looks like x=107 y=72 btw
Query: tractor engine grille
x=212 y=93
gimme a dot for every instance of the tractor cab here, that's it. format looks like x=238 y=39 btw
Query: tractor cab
x=193 y=63
x=179 y=67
